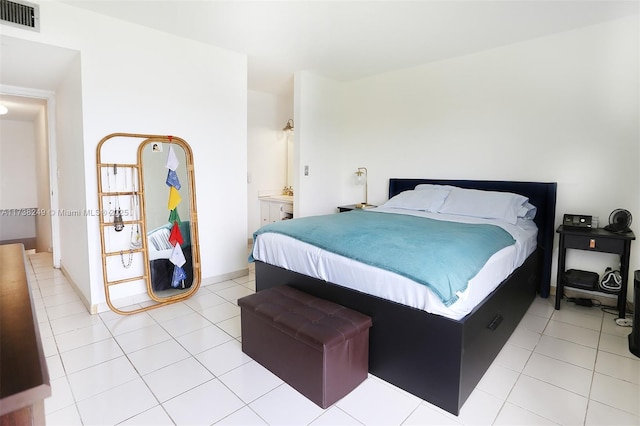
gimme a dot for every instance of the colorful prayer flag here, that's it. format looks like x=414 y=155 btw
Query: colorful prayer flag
x=172 y=179
x=174 y=198
x=172 y=160
x=179 y=275
x=174 y=216
x=177 y=256
x=175 y=237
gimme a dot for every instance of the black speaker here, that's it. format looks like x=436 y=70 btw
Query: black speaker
x=634 y=337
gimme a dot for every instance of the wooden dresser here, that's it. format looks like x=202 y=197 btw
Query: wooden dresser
x=24 y=378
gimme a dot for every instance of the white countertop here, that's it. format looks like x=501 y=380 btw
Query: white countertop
x=279 y=198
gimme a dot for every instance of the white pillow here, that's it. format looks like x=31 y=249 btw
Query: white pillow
x=427 y=200
x=527 y=211
x=484 y=204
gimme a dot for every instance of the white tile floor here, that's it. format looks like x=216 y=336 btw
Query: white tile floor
x=182 y=364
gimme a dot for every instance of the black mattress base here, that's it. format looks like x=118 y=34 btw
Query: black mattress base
x=435 y=358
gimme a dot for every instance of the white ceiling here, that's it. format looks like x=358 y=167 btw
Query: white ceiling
x=352 y=39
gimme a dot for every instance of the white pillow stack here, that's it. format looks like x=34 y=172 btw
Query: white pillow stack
x=452 y=200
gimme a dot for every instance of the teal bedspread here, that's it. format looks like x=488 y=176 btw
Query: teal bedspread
x=441 y=255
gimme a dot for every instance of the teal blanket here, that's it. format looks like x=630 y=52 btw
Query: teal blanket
x=441 y=255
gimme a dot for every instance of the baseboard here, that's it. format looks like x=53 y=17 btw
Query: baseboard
x=224 y=277
x=90 y=308
x=142 y=298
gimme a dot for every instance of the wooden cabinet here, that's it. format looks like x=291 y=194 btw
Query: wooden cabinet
x=275 y=208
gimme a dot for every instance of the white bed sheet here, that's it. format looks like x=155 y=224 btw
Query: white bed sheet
x=295 y=255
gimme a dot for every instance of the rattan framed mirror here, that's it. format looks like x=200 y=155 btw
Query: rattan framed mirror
x=148 y=221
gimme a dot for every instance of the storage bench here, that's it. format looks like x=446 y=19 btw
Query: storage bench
x=318 y=347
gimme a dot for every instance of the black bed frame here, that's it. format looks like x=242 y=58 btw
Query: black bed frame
x=435 y=358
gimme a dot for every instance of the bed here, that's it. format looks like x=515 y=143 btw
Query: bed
x=436 y=357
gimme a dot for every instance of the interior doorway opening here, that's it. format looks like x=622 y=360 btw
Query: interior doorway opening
x=28 y=199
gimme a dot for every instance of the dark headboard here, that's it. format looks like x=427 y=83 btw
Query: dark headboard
x=541 y=194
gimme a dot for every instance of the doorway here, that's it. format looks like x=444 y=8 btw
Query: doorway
x=27 y=171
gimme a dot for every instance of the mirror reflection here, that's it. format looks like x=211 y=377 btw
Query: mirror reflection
x=167 y=196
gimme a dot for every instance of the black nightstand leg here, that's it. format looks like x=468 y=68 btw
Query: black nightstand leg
x=624 y=274
x=562 y=252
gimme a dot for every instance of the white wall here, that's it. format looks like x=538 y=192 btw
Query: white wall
x=322 y=140
x=266 y=150
x=24 y=177
x=75 y=249
x=18 y=189
x=17 y=154
x=560 y=108
x=133 y=79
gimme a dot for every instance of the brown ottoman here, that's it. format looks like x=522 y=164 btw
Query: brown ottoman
x=318 y=347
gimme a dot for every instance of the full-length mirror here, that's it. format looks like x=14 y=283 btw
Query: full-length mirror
x=167 y=197
x=148 y=221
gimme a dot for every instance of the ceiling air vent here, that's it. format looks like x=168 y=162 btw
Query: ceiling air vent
x=20 y=14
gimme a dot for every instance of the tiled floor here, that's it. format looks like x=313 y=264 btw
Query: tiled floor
x=182 y=364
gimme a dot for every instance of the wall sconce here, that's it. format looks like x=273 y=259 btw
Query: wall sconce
x=3 y=109
x=361 y=179
x=289 y=126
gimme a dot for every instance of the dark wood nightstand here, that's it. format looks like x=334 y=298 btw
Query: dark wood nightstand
x=346 y=208
x=598 y=240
